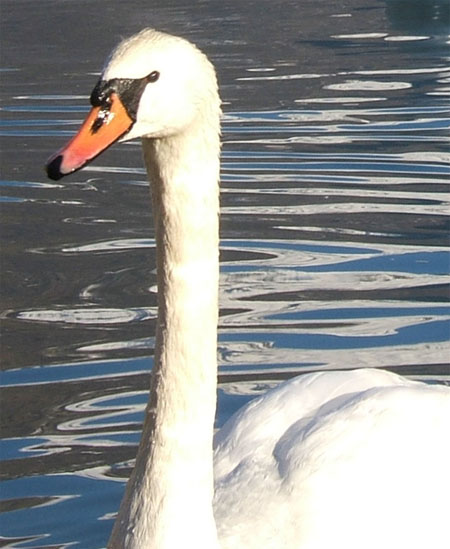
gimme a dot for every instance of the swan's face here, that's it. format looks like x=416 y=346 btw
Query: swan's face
x=154 y=85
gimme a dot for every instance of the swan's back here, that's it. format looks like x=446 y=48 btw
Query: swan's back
x=343 y=461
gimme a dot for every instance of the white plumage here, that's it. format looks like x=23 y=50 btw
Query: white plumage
x=345 y=460
x=336 y=459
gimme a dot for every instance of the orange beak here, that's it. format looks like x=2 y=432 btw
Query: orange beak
x=102 y=128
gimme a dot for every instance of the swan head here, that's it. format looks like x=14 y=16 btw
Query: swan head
x=153 y=85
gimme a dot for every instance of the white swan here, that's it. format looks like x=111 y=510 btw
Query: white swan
x=330 y=460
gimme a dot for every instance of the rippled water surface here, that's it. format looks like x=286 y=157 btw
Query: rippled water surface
x=334 y=228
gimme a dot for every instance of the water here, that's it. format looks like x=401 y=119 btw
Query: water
x=334 y=228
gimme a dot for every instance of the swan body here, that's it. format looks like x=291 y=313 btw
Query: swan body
x=338 y=459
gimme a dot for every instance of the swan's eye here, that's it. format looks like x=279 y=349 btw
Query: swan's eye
x=153 y=76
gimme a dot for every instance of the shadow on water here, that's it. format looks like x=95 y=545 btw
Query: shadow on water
x=425 y=16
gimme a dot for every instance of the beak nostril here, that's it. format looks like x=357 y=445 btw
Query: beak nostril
x=98 y=123
x=103 y=117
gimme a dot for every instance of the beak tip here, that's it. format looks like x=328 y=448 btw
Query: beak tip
x=53 y=168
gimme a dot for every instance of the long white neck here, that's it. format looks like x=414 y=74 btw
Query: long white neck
x=168 y=501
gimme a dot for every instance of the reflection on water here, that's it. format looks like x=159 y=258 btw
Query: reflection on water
x=334 y=230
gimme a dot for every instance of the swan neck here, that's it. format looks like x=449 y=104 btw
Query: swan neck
x=168 y=502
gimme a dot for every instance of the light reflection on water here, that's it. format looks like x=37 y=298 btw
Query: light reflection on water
x=333 y=254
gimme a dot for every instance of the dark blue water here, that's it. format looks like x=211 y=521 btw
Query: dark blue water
x=334 y=251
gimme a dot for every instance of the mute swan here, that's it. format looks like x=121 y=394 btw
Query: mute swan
x=339 y=459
